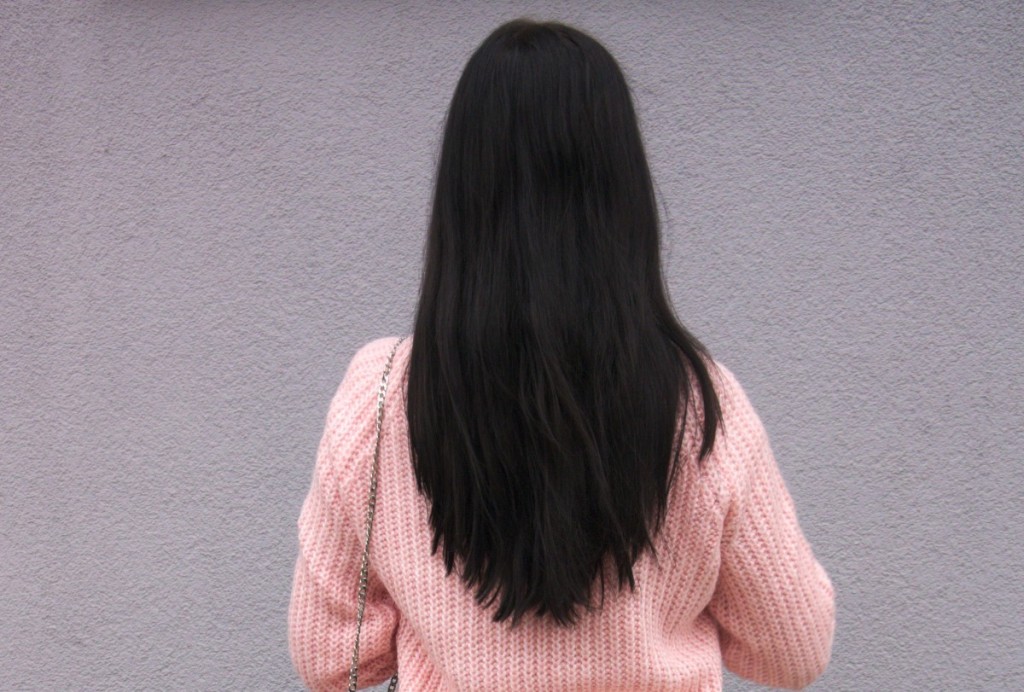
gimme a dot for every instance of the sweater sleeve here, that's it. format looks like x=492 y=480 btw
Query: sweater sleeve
x=324 y=599
x=774 y=602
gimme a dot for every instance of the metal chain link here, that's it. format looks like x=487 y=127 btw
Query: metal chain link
x=353 y=674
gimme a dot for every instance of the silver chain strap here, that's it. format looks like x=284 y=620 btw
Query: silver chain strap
x=353 y=673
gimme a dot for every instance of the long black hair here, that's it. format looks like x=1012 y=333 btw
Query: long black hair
x=548 y=370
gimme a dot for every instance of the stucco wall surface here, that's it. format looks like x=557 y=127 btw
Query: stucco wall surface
x=206 y=208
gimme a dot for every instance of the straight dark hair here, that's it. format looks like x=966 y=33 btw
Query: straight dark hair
x=548 y=370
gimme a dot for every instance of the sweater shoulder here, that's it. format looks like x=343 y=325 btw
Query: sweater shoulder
x=349 y=429
x=373 y=355
x=741 y=438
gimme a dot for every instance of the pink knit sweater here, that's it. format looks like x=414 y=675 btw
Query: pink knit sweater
x=737 y=581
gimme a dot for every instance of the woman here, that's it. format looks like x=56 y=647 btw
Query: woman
x=572 y=493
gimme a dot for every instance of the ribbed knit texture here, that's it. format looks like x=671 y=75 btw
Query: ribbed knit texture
x=735 y=581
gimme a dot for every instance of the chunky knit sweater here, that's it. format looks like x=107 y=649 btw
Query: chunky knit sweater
x=735 y=580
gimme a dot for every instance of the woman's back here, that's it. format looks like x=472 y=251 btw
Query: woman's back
x=734 y=578
x=553 y=434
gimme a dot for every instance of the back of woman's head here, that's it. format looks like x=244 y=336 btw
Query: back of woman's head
x=548 y=369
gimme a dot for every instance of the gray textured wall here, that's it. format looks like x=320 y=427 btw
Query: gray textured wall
x=205 y=208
